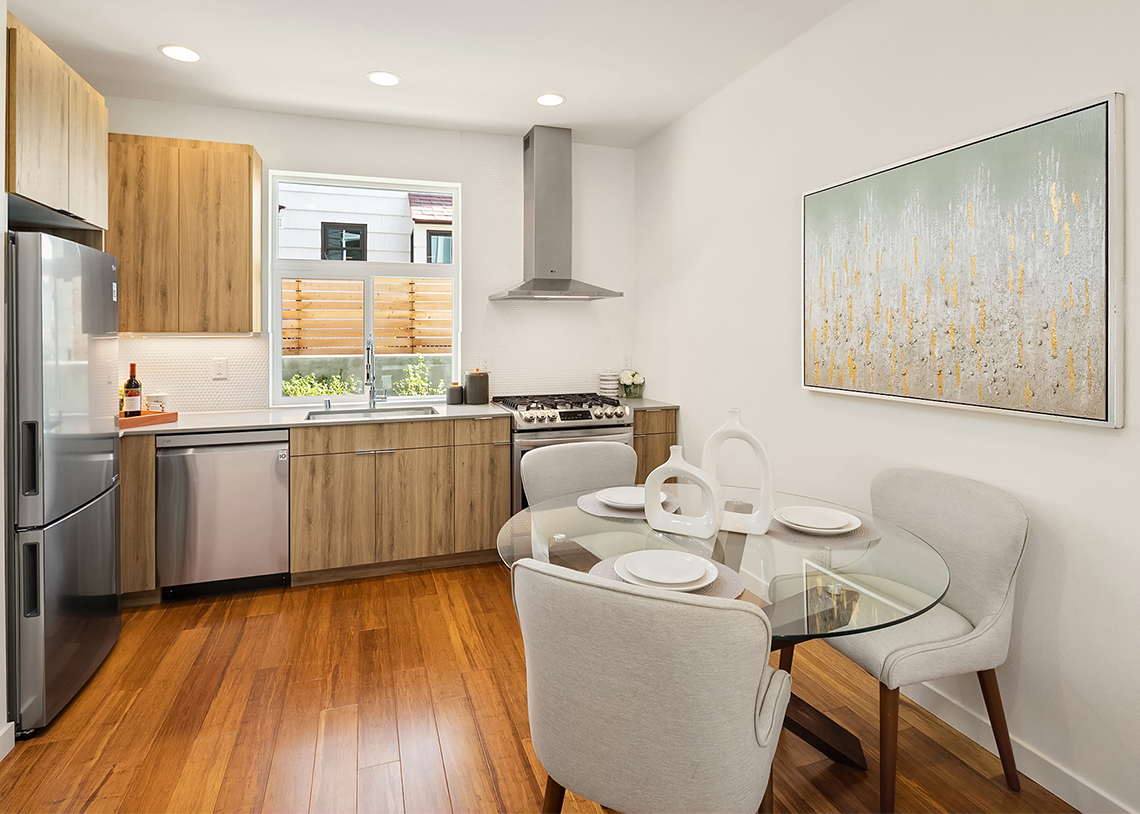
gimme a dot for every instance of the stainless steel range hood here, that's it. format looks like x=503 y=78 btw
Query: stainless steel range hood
x=547 y=220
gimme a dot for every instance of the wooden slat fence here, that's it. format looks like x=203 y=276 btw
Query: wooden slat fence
x=326 y=317
x=412 y=316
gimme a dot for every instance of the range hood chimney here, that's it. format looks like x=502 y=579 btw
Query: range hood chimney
x=547 y=220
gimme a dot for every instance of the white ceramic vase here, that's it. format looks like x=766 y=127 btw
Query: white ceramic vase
x=761 y=517
x=702 y=526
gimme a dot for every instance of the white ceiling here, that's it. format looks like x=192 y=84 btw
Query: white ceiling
x=626 y=67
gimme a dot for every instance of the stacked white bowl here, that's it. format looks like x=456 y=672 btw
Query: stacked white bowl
x=608 y=384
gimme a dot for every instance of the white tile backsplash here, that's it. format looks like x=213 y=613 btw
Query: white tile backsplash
x=182 y=367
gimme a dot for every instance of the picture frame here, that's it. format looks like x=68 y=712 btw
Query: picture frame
x=986 y=275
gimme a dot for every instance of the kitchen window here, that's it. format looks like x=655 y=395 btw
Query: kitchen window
x=326 y=309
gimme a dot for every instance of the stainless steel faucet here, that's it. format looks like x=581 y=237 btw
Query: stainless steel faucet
x=370 y=375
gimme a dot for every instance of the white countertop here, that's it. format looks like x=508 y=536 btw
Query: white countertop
x=648 y=404
x=295 y=417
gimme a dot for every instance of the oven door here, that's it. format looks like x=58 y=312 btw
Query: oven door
x=524 y=442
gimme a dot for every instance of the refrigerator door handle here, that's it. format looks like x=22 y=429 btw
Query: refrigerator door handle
x=29 y=458
x=31 y=580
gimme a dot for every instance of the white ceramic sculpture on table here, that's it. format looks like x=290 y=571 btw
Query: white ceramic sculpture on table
x=702 y=526
x=761 y=517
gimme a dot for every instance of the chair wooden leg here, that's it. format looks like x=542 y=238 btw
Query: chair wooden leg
x=768 y=804
x=888 y=746
x=552 y=802
x=992 y=696
x=786 y=656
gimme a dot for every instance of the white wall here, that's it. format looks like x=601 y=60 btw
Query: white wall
x=719 y=321
x=528 y=347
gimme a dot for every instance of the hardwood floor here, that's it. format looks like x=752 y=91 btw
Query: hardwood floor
x=399 y=693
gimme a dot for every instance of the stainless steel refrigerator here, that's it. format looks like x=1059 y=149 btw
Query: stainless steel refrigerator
x=62 y=473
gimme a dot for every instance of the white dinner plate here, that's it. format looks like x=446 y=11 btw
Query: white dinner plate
x=625 y=497
x=664 y=567
x=846 y=522
x=813 y=517
x=708 y=578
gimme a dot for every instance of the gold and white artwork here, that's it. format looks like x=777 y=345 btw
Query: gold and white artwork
x=976 y=276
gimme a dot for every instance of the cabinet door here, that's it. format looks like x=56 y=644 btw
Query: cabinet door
x=136 y=513
x=414 y=503
x=332 y=516
x=652 y=451
x=143 y=232
x=87 y=149
x=482 y=494
x=215 y=282
x=37 y=126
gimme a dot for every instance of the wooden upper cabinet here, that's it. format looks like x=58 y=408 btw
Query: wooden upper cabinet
x=186 y=226
x=38 y=88
x=213 y=235
x=57 y=131
x=87 y=153
x=143 y=233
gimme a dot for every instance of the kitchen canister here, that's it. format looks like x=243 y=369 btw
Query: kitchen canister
x=476 y=387
x=455 y=393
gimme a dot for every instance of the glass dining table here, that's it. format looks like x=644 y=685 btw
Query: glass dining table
x=811 y=586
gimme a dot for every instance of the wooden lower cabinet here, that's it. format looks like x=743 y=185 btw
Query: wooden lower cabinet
x=482 y=494
x=332 y=516
x=136 y=514
x=654 y=431
x=414 y=493
x=652 y=451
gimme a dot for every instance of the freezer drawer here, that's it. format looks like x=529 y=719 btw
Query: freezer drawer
x=223 y=506
x=67 y=607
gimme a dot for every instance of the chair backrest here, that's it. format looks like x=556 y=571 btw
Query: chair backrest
x=563 y=469
x=640 y=699
x=979 y=530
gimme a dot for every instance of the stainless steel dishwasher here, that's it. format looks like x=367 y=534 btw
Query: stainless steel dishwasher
x=222 y=511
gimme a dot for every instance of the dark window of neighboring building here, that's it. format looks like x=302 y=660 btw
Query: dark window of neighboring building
x=438 y=247
x=344 y=241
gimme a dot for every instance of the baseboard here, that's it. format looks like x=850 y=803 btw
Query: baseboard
x=7 y=739
x=1074 y=790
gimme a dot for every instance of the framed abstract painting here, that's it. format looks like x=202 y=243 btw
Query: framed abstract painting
x=986 y=275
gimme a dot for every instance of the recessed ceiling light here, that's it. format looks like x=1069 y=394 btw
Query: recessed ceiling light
x=179 y=53
x=550 y=99
x=384 y=78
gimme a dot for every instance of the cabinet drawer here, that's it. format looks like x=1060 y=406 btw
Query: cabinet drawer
x=482 y=430
x=364 y=437
x=652 y=422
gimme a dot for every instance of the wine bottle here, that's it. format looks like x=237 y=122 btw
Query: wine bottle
x=132 y=395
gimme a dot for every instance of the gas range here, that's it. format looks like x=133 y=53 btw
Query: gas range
x=565 y=411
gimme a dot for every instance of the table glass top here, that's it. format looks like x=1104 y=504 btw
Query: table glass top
x=810 y=586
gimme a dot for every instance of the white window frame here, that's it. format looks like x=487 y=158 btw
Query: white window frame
x=357 y=270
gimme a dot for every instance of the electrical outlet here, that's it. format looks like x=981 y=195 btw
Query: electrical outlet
x=221 y=368
x=627 y=361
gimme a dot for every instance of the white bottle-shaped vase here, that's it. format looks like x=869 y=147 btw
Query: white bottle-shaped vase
x=702 y=526
x=761 y=517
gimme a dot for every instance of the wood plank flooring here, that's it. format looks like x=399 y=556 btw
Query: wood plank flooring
x=404 y=693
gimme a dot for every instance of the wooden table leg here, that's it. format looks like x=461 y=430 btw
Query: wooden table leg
x=817 y=730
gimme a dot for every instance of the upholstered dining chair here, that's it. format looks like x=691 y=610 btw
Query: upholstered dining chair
x=647 y=700
x=980 y=532
x=563 y=469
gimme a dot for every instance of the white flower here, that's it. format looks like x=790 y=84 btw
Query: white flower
x=638 y=378
x=627 y=377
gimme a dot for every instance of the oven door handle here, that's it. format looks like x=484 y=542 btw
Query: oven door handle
x=623 y=435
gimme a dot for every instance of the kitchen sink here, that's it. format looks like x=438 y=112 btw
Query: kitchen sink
x=370 y=412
